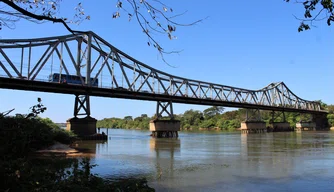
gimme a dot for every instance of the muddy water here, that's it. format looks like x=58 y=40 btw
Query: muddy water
x=213 y=161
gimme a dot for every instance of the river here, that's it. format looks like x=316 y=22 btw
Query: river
x=219 y=161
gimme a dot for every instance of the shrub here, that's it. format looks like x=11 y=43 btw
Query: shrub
x=19 y=136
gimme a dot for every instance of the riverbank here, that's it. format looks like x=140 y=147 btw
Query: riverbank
x=40 y=156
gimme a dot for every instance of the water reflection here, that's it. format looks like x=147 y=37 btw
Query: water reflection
x=208 y=161
x=278 y=155
x=165 y=149
x=91 y=147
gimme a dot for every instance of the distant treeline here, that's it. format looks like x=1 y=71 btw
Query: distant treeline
x=210 y=118
x=61 y=124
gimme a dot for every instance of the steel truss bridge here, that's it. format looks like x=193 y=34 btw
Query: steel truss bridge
x=26 y=64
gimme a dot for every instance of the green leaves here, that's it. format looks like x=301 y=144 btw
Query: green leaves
x=303 y=27
x=36 y=109
x=315 y=11
x=330 y=19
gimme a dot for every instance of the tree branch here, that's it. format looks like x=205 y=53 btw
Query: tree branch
x=38 y=17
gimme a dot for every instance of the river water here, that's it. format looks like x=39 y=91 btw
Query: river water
x=219 y=161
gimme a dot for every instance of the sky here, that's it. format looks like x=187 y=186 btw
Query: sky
x=247 y=44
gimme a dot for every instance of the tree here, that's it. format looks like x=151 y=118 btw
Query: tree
x=144 y=116
x=330 y=109
x=161 y=18
x=128 y=118
x=36 y=109
x=191 y=117
x=151 y=15
x=37 y=11
x=315 y=10
x=213 y=111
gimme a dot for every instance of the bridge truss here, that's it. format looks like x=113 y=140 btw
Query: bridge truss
x=28 y=63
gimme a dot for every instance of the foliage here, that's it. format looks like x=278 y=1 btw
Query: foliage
x=228 y=125
x=213 y=111
x=127 y=122
x=330 y=116
x=315 y=10
x=36 y=109
x=191 y=119
x=22 y=172
x=207 y=123
x=212 y=117
x=21 y=136
x=61 y=174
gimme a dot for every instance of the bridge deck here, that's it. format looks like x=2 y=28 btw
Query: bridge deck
x=28 y=85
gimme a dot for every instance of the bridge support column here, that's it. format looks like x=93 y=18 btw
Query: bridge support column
x=281 y=125
x=321 y=121
x=166 y=128
x=82 y=126
x=306 y=123
x=305 y=126
x=253 y=123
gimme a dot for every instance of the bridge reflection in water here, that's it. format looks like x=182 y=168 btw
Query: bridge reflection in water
x=165 y=149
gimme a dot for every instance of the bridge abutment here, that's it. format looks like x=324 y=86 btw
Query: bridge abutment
x=165 y=128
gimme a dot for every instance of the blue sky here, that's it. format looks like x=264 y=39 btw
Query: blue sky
x=246 y=44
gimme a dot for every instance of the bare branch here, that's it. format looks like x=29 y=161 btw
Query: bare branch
x=37 y=17
x=152 y=19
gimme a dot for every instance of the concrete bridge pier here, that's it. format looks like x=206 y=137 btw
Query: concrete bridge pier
x=305 y=126
x=313 y=122
x=82 y=126
x=165 y=128
x=253 y=123
x=281 y=125
x=321 y=121
x=306 y=123
x=253 y=127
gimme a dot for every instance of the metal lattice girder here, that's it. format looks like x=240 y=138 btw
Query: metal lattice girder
x=81 y=106
x=95 y=60
x=253 y=115
x=166 y=107
x=276 y=115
